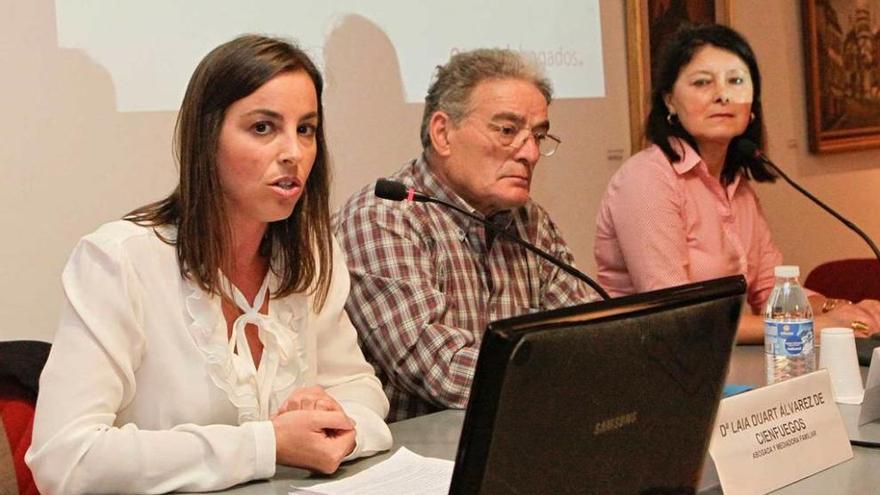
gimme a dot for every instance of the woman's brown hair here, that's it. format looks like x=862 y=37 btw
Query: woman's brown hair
x=299 y=247
x=660 y=126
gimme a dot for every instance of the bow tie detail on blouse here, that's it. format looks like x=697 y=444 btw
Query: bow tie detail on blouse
x=276 y=342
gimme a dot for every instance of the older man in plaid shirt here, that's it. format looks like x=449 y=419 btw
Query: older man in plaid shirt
x=425 y=279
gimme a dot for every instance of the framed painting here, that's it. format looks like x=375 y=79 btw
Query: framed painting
x=842 y=51
x=649 y=23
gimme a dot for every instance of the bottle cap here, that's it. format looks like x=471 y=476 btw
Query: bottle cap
x=787 y=271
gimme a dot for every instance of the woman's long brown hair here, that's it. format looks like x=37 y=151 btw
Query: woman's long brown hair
x=299 y=247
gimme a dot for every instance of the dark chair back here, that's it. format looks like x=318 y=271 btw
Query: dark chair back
x=21 y=362
x=853 y=279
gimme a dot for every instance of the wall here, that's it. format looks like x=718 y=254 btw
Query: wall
x=71 y=162
x=846 y=181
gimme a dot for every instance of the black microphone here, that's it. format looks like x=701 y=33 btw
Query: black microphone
x=396 y=191
x=748 y=148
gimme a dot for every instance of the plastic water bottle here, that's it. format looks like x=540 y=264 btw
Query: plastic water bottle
x=788 y=328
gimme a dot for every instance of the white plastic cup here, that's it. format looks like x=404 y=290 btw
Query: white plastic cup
x=838 y=356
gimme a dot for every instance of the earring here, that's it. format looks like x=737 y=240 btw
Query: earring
x=751 y=117
x=669 y=117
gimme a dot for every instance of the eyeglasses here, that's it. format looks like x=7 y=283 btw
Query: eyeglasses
x=514 y=137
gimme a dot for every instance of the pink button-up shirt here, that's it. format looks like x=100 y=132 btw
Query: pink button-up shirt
x=663 y=224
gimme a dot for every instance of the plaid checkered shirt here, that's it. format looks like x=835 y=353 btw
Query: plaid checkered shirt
x=427 y=280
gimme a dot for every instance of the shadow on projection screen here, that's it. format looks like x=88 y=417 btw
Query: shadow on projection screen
x=151 y=48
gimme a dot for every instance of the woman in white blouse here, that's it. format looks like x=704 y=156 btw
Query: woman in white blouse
x=203 y=337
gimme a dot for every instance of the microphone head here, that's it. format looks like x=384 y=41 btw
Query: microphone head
x=747 y=147
x=390 y=189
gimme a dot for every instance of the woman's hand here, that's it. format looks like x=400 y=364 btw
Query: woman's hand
x=862 y=317
x=313 y=439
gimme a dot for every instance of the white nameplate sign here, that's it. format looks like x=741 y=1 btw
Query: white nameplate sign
x=773 y=436
x=871 y=404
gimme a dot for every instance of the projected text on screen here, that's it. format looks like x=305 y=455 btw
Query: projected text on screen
x=151 y=48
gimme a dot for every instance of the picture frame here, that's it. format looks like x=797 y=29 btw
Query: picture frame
x=649 y=23
x=842 y=64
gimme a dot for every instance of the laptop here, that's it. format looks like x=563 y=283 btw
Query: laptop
x=615 y=396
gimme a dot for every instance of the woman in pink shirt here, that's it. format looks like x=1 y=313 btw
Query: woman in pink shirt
x=683 y=209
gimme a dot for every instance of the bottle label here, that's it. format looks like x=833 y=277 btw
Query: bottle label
x=788 y=338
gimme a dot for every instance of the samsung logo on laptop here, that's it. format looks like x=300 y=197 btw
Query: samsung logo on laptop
x=615 y=423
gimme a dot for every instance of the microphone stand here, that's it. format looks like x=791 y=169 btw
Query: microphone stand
x=825 y=207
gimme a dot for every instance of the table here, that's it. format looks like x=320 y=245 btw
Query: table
x=859 y=475
x=436 y=435
x=433 y=435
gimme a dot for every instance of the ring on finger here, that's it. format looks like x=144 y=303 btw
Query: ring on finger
x=859 y=326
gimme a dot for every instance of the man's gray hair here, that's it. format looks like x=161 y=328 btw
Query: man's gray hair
x=454 y=82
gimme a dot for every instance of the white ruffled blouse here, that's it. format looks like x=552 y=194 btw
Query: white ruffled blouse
x=255 y=391
x=144 y=392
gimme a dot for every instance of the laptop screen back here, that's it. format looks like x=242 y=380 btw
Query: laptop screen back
x=616 y=396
